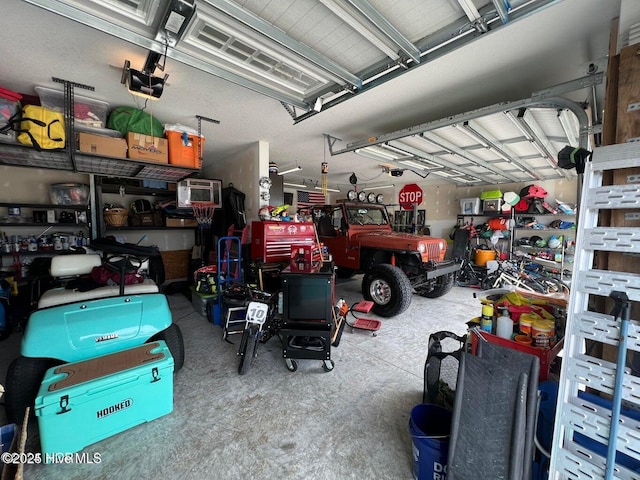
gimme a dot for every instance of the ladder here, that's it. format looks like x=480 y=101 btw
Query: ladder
x=587 y=431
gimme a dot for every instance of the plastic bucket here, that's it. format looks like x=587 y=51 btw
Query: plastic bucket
x=430 y=427
x=483 y=256
x=542 y=331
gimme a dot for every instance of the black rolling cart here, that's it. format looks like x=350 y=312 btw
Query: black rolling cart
x=308 y=315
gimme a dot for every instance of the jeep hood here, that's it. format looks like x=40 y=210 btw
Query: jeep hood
x=395 y=240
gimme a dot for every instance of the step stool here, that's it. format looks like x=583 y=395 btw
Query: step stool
x=369 y=324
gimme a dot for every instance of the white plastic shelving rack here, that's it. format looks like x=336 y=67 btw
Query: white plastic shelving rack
x=578 y=418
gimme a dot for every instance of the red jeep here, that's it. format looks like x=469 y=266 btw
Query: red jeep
x=361 y=240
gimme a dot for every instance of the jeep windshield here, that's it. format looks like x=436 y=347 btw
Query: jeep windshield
x=364 y=215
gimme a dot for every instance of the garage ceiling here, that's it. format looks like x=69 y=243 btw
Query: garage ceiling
x=332 y=74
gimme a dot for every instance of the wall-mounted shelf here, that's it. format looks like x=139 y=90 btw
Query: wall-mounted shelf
x=565 y=250
x=18 y=155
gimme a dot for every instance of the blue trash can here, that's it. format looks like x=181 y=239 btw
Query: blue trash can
x=430 y=427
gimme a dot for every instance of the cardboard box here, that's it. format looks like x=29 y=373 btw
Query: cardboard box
x=182 y=222
x=102 y=145
x=146 y=147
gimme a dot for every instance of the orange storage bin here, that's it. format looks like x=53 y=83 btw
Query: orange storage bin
x=183 y=149
x=483 y=256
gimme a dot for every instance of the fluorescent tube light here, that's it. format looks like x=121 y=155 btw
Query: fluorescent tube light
x=380 y=187
x=414 y=164
x=297 y=185
x=328 y=189
x=375 y=154
x=291 y=170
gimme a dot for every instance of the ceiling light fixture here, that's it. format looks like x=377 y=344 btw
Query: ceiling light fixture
x=375 y=154
x=379 y=187
x=297 y=168
x=143 y=83
x=414 y=164
x=297 y=185
x=328 y=189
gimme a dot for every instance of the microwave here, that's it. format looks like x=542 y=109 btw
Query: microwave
x=199 y=190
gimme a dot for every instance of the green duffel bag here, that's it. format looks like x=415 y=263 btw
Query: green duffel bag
x=131 y=119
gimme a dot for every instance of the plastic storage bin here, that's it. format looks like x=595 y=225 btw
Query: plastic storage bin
x=183 y=149
x=8 y=108
x=470 y=206
x=69 y=194
x=88 y=112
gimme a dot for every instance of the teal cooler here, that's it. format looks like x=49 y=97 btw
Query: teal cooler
x=84 y=402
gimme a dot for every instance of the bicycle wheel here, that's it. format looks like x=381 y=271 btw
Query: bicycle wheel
x=248 y=347
x=491 y=281
x=553 y=285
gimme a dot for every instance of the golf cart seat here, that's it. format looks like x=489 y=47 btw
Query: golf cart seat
x=75 y=265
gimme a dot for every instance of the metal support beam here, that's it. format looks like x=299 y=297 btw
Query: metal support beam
x=387 y=29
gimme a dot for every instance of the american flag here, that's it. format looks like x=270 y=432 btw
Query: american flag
x=307 y=199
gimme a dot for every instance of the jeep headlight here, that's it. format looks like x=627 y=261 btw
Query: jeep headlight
x=443 y=245
x=422 y=248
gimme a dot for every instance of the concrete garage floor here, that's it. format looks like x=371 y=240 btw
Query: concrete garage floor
x=351 y=422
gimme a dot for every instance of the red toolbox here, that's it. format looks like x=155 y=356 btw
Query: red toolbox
x=545 y=355
x=84 y=402
x=273 y=242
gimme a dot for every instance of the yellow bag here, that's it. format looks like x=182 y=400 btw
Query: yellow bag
x=41 y=127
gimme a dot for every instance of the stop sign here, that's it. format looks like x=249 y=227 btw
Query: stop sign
x=410 y=194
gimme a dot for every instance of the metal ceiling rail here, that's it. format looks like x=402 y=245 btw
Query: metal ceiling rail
x=547 y=98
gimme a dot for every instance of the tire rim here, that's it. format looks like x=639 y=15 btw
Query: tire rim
x=380 y=292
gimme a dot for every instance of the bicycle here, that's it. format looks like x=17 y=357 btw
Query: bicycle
x=470 y=275
x=510 y=274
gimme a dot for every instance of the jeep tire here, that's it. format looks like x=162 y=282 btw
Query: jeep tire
x=24 y=377
x=388 y=288
x=443 y=284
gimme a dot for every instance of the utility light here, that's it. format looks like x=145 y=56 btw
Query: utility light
x=142 y=82
x=327 y=189
x=291 y=170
